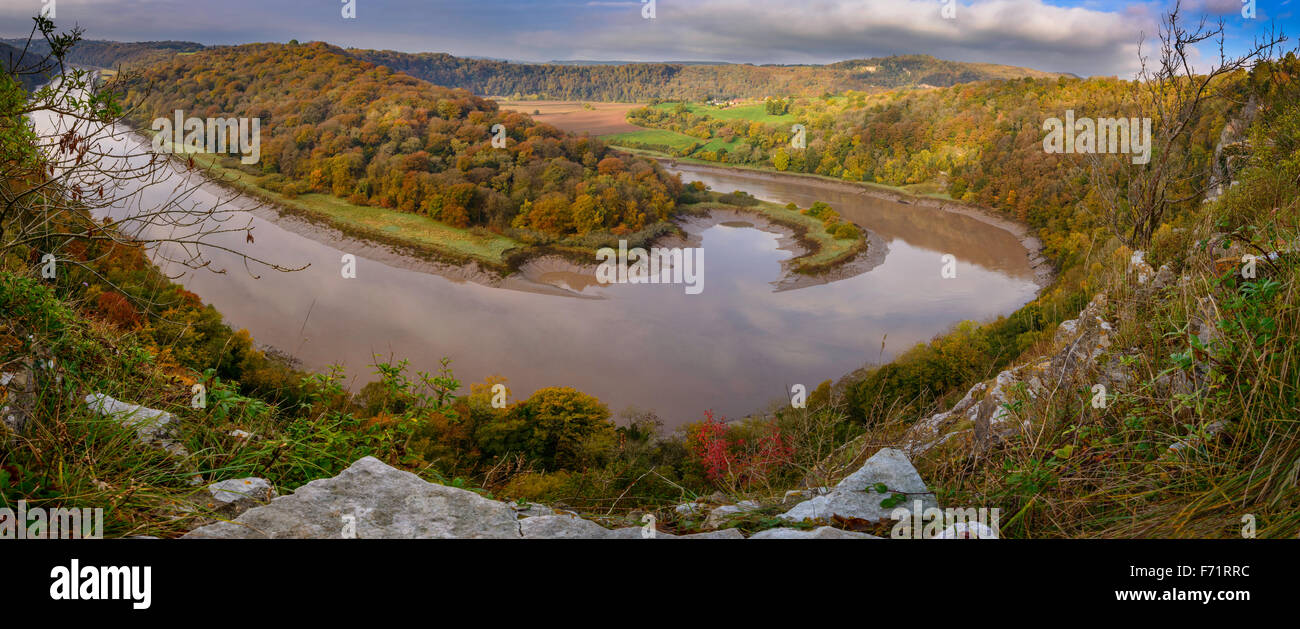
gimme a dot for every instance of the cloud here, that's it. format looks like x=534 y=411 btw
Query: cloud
x=1094 y=37
x=1017 y=32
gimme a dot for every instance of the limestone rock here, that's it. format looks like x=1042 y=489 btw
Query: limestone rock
x=17 y=397
x=372 y=500
x=235 y=489
x=237 y=495
x=1139 y=268
x=690 y=508
x=533 y=510
x=721 y=514
x=152 y=427
x=981 y=416
x=855 y=496
x=723 y=534
x=799 y=495
x=562 y=527
x=821 y=532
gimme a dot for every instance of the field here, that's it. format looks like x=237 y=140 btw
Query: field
x=659 y=139
x=677 y=144
x=577 y=117
x=755 y=112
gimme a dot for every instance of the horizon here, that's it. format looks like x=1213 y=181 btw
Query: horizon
x=1081 y=37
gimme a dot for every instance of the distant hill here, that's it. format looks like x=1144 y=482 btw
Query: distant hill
x=590 y=80
x=9 y=55
x=594 y=62
x=611 y=80
x=905 y=70
x=111 y=54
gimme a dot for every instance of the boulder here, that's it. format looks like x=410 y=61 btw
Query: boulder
x=856 y=496
x=562 y=527
x=152 y=427
x=237 y=495
x=690 y=508
x=236 y=489
x=799 y=495
x=721 y=514
x=372 y=500
x=821 y=532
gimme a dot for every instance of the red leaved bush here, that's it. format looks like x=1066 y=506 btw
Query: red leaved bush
x=737 y=462
x=117 y=309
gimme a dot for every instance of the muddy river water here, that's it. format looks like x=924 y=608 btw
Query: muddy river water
x=733 y=348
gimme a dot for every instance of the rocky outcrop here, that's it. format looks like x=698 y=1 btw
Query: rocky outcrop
x=857 y=496
x=984 y=415
x=372 y=500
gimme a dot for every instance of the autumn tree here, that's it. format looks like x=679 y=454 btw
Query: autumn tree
x=1173 y=94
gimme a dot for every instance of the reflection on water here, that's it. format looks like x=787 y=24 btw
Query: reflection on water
x=731 y=349
x=970 y=240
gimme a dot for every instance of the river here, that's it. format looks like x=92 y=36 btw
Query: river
x=732 y=349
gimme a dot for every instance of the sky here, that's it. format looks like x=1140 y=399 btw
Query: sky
x=1085 y=37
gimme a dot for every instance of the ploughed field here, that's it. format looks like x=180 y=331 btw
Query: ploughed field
x=577 y=117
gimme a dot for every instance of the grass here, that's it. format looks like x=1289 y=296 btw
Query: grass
x=719 y=143
x=756 y=112
x=659 y=138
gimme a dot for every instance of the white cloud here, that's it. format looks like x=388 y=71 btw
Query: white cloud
x=1029 y=33
x=1019 y=32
